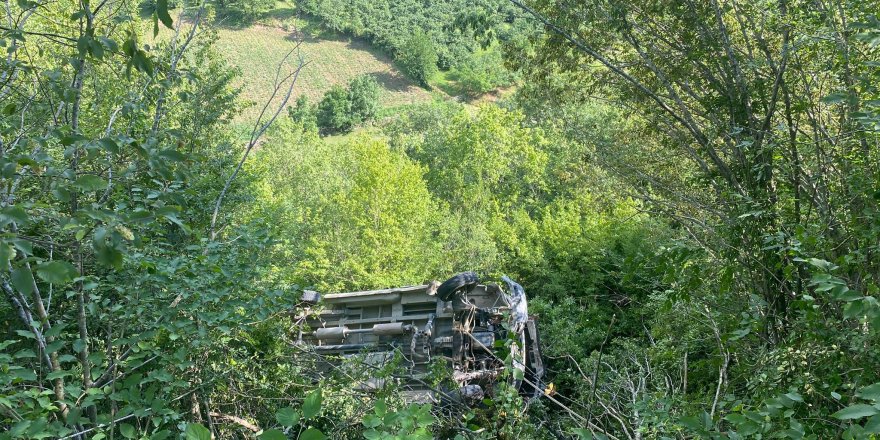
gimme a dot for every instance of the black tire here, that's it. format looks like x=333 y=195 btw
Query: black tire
x=463 y=281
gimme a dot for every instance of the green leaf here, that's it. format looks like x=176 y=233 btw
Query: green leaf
x=61 y=193
x=170 y=213
x=287 y=417
x=58 y=374
x=312 y=434
x=78 y=345
x=739 y=334
x=109 y=145
x=162 y=12
x=312 y=405
x=26 y=334
x=24 y=374
x=372 y=421
x=835 y=98
x=142 y=62
x=54 y=346
x=857 y=411
x=372 y=434
x=873 y=425
x=27 y=4
x=127 y=430
x=692 y=423
x=425 y=419
x=847 y=295
x=160 y=435
x=380 y=408
x=870 y=392
x=57 y=272
x=272 y=434
x=854 y=309
x=11 y=214
x=795 y=396
x=23 y=280
x=7 y=253
x=90 y=182
x=194 y=431
x=583 y=433
x=108 y=254
x=821 y=264
x=96 y=49
x=23 y=246
x=172 y=155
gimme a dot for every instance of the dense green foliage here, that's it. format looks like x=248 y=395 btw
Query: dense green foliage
x=348 y=217
x=481 y=73
x=242 y=10
x=391 y=24
x=368 y=213
x=117 y=309
x=417 y=57
x=743 y=138
x=341 y=109
x=425 y=35
x=688 y=192
x=363 y=92
x=333 y=112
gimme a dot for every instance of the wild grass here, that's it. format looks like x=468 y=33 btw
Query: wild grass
x=257 y=49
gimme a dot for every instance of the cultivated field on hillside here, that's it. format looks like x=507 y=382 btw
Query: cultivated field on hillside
x=258 y=49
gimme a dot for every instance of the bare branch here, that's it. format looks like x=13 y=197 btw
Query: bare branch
x=287 y=82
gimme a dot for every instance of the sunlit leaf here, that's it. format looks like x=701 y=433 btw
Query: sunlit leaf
x=195 y=431
x=312 y=404
x=312 y=434
x=287 y=417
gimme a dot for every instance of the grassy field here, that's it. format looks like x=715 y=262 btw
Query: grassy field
x=257 y=49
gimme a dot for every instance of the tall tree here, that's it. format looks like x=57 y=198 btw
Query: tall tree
x=741 y=90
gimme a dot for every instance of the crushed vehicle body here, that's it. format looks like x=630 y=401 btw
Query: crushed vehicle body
x=460 y=322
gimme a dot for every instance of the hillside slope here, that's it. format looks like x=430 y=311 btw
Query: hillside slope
x=258 y=49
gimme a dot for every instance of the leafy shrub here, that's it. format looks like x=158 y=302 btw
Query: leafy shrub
x=334 y=111
x=363 y=92
x=412 y=422
x=343 y=108
x=482 y=73
x=304 y=113
x=418 y=58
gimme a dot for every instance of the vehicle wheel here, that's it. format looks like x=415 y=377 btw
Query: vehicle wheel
x=462 y=281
